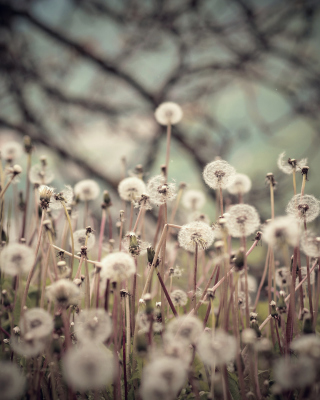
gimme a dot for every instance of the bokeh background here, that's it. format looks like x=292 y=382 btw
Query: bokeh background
x=82 y=78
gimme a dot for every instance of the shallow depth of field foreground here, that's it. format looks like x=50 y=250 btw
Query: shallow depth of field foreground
x=159 y=200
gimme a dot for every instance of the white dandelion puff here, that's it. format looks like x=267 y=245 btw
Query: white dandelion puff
x=27 y=347
x=304 y=208
x=160 y=191
x=168 y=113
x=292 y=373
x=12 y=382
x=283 y=277
x=36 y=323
x=193 y=200
x=217 y=349
x=281 y=231
x=143 y=202
x=186 y=328
x=65 y=197
x=199 y=216
x=307 y=345
x=41 y=175
x=11 y=151
x=16 y=259
x=303 y=275
x=243 y=220
x=310 y=244
x=117 y=267
x=288 y=165
x=80 y=239
x=88 y=367
x=195 y=234
x=87 y=190
x=64 y=293
x=219 y=174
x=130 y=189
x=241 y=184
x=179 y=298
x=93 y=326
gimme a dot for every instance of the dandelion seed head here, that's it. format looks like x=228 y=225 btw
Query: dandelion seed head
x=243 y=220
x=304 y=274
x=27 y=347
x=307 y=345
x=242 y=300
x=160 y=191
x=130 y=189
x=133 y=245
x=64 y=293
x=252 y=283
x=199 y=217
x=79 y=238
x=292 y=373
x=248 y=336
x=16 y=259
x=241 y=184
x=117 y=267
x=195 y=233
x=179 y=298
x=218 y=349
x=143 y=321
x=88 y=367
x=303 y=208
x=186 y=329
x=193 y=200
x=219 y=174
x=143 y=202
x=168 y=113
x=281 y=231
x=310 y=244
x=288 y=165
x=93 y=326
x=11 y=151
x=36 y=323
x=40 y=175
x=87 y=190
x=12 y=382
x=65 y=196
x=283 y=277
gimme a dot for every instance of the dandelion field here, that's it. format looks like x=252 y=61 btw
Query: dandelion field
x=98 y=308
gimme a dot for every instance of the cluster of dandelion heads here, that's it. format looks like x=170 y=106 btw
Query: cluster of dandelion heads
x=11 y=151
x=281 y=231
x=86 y=190
x=41 y=175
x=168 y=372
x=36 y=323
x=218 y=348
x=63 y=293
x=243 y=220
x=117 y=267
x=130 y=189
x=310 y=244
x=16 y=259
x=81 y=238
x=288 y=165
x=219 y=174
x=303 y=208
x=168 y=113
x=195 y=234
x=65 y=197
x=12 y=382
x=160 y=191
x=88 y=367
x=93 y=326
x=241 y=184
x=186 y=329
x=179 y=298
x=193 y=200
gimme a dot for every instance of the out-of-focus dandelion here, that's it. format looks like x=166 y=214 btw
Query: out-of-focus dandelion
x=36 y=323
x=243 y=220
x=241 y=184
x=41 y=175
x=179 y=298
x=82 y=239
x=186 y=328
x=87 y=190
x=168 y=113
x=291 y=373
x=281 y=231
x=11 y=151
x=12 y=382
x=193 y=200
x=93 y=326
x=16 y=259
x=130 y=189
x=283 y=277
x=310 y=244
x=117 y=267
x=63 y=293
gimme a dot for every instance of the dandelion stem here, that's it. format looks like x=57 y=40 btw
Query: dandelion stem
x=6 y=187
x=262 y=279
x=102 y=227
x=24 y=220
x=221 y=200
x=137 y=220
x=71 y=234
x=294 y=181
x=131 y=216
x=194 y=300
x=167 y=295
x=168 y=150
x=124 y=358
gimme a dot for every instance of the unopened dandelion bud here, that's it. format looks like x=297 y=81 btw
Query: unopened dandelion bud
x=304 y=170
x=58 y=321
x=151 y=253
x=282 y=307
x=273 y=312
x=270 y=179
x=27 y=144
x=255 y=326
x=43 y=160
x=239 y=259
x=253 y=316
x=307 y=323
x=16 y=330
x=258 y=235
x=106 y=198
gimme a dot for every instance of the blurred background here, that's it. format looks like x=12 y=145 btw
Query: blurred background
x=82 y=78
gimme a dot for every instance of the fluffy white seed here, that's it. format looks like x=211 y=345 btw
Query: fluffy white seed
x=87 y=190
x=168 y=113
x=219 y=174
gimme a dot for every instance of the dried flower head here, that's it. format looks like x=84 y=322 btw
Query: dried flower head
x=41 y=175
x=288 y=165
x=133 y=245
x=65 y=197
x=16 y=259
x=241 y=184
x=143 y=202
x=168 y=113
x=117 y=267
x=80 y=239
x=179 y=298
x=93 y=326
x=195 y=234
x=282 y=231
x=304 y=208
x=36 y=323
x=88 y=367
x=310 y=244
x=130 y=189
x=12 y=382
x=217 y=349
x=87 y=190
x=293 y=373
x=193 y=200
x=64 y=293
x=219 y=174
x=160 y=191
x=243 y=220
x=186 y=328
x=45 y=195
